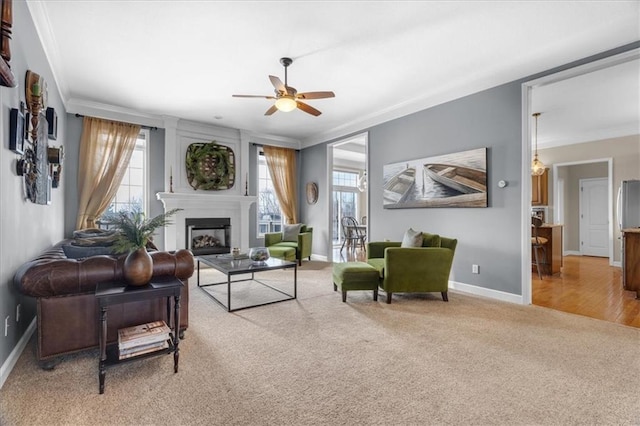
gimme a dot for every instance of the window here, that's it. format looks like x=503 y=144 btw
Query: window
x=269 y=214
x=131 y=195
x=345 y=200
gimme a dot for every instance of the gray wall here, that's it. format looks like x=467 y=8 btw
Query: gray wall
x=156 y=179
x=488 y=119
x=26 y=229
x=71 y=162
x=487 y=237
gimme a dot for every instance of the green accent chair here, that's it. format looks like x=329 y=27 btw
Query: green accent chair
x=302 y=246
x=413 y=269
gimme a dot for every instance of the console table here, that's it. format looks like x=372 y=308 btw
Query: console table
x=112 y=293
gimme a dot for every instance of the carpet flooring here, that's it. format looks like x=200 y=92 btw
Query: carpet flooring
x=318 y=361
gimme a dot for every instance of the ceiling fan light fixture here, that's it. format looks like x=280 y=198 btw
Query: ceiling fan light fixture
x=286 y=104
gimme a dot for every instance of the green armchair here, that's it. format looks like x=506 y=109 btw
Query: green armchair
x=302 y=246
x=415 y=269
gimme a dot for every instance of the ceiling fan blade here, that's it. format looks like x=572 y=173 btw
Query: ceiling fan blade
x=278 y=84
x=308 y=109
x=315 y=95
x=253 y=96
x=271 y=110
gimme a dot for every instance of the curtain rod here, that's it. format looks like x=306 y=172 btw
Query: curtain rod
x=261 y=145
x=141 y=126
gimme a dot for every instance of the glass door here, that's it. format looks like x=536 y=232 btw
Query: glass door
x=344 y=204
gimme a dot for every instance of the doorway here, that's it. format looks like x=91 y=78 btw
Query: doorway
x=594 y=199
x=348 y=186
x=595 y=133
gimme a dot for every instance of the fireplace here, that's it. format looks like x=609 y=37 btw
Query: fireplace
x=208 y=235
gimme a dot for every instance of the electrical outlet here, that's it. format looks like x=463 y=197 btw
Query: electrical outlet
x=18 y=313
x=475 y=269
x=6 y=326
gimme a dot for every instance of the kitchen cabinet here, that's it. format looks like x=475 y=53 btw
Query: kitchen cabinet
x=631 y=253
x=540 y=189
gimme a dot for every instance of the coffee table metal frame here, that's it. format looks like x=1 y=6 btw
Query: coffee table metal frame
x=230 y=266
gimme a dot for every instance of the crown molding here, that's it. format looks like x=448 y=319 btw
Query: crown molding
x=49 y=45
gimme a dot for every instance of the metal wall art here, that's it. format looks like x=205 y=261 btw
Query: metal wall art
x=452 y=180
x=210 y=166
x=312 y=193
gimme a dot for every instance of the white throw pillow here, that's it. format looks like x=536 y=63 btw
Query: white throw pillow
x=412 y=239
x=290 y=232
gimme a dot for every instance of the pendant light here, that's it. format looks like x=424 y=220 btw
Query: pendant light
x=362 y=182
x=537 y=168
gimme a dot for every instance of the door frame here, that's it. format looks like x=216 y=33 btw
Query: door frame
x=556 y=195
x=526 y=144
x=329 y=183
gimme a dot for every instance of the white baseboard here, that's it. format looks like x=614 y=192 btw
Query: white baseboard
x=486 y=292
x=318 y=257
x=8 y=365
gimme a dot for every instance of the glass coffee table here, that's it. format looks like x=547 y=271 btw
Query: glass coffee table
x=248 y=292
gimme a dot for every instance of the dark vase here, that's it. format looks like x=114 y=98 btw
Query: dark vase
x=138 y=267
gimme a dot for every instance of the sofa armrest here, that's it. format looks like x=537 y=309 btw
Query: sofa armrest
x=272 y=238
x=305 y=241
x=375 y=249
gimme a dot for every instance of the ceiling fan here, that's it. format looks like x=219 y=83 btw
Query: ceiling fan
x=287 y=98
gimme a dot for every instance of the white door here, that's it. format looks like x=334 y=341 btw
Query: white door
x=594 y=222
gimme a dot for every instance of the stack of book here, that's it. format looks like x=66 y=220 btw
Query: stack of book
x=143 y=338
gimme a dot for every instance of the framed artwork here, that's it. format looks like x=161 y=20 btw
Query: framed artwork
x=52 y=119
x=451 y=180
x=16 y=131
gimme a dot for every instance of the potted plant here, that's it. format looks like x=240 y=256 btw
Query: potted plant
x=135 y=231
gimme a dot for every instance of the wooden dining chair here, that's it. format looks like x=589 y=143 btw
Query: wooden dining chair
x=352 y=233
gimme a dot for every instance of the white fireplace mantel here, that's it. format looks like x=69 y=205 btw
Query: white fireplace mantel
x=206 y=205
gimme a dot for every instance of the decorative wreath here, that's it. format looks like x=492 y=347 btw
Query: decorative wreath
x=210 y=166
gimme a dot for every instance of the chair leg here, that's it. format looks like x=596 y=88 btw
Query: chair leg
x=299 y=262
x=445 y=297
x=375 y=295
x=388 y=297
x=344 y=295
x=335 y=287
x=535 y=252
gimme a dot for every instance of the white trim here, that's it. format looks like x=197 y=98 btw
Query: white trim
x=527 y=87
x=525 y=219
x=487 y=292
x=11 y=361
x=329 y=202
x=319 y=257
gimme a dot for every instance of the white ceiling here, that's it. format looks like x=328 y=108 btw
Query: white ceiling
x=383 y=60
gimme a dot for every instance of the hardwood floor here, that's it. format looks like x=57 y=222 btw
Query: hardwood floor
x=586 y=286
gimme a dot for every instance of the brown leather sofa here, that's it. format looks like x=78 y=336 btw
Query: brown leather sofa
x=67 y=311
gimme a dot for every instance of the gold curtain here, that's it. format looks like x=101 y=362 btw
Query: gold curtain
x=105 y=151
x=282 y=169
